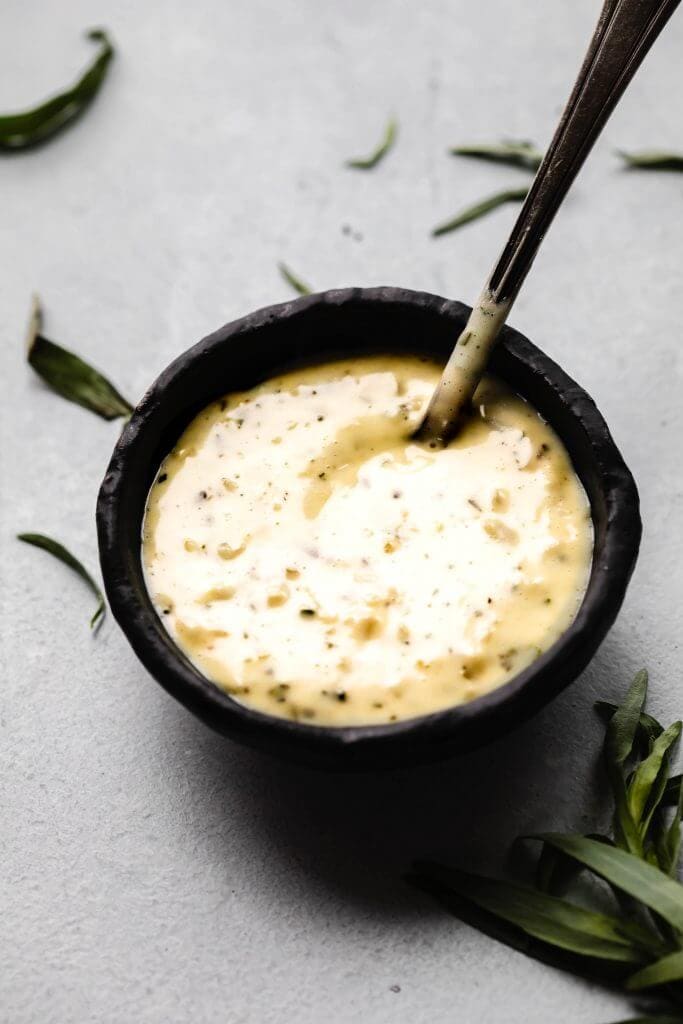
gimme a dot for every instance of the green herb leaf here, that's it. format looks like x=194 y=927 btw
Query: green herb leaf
x=648 y=924
x=670 y=855
x=646 y=787
x=552 y=920
x=71 y=377
x=470 y=213
x=38 y=125
x=388 y=139
x=58 y=550
x=627 y=872
x=297 y=284
x=661 y=972
x=648 y=727
x=621 y=729
x=605 y=971
x=668 y=842
x=619 y=739
x=556 y=872
x=653 y=160
x=511 y=152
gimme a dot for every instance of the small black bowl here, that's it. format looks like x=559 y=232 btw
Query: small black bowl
x=327 y=326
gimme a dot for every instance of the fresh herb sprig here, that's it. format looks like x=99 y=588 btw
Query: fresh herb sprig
x=652 y=160
x=57 y=550
x=366 y=163
x=293 y=280
x=33 y=127
x=69 y=375
x=511 y=152
x=477 y=210
x=639 y=945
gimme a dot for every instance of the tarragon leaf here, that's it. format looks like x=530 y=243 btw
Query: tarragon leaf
x=39 y=124
x=511 y=152
x=627 y=872
x=57 y=550
x=622 y=727
x=647 y=784
x=661 y=972
x=648 y=727
x=292 y=279
x=70 y=376
x=544 y=917
x=668 y=839
x=470 y=213
x=653 y=160
x=366 y=163
x=619 y=739
x=556 y=872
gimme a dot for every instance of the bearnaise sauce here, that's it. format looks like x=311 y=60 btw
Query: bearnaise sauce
x=316 y=563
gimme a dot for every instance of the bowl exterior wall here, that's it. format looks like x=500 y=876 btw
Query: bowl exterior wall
x=318 y=328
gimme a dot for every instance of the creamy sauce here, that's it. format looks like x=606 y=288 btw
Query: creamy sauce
x=316 y=563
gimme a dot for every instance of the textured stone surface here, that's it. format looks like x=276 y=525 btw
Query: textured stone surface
x=153 y=872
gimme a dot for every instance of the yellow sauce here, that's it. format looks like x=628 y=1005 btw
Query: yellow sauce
x=317 y=564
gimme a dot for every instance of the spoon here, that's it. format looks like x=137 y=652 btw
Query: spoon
x=625 y=32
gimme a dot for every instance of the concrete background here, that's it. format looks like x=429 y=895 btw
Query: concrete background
x=151 y=871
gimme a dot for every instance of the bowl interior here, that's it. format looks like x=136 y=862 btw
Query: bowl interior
x=316 y=329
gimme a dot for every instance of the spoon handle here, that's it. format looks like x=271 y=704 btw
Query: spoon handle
x=625 y=32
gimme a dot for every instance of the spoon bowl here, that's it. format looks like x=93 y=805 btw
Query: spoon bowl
x=315 y=329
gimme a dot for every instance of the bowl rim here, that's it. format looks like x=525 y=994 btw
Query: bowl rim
x=427 y=737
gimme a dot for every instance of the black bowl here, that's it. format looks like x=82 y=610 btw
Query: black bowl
x=328 y=326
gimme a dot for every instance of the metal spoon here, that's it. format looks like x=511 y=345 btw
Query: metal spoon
x=625 y=32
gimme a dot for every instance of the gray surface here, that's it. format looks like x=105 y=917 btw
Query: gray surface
x=154 y=872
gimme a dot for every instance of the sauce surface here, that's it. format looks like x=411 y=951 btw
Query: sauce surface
x=317 y=564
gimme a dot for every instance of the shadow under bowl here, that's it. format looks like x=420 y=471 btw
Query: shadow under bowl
x=320 y=328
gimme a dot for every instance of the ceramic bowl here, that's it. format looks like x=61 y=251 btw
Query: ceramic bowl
x=328 y=326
